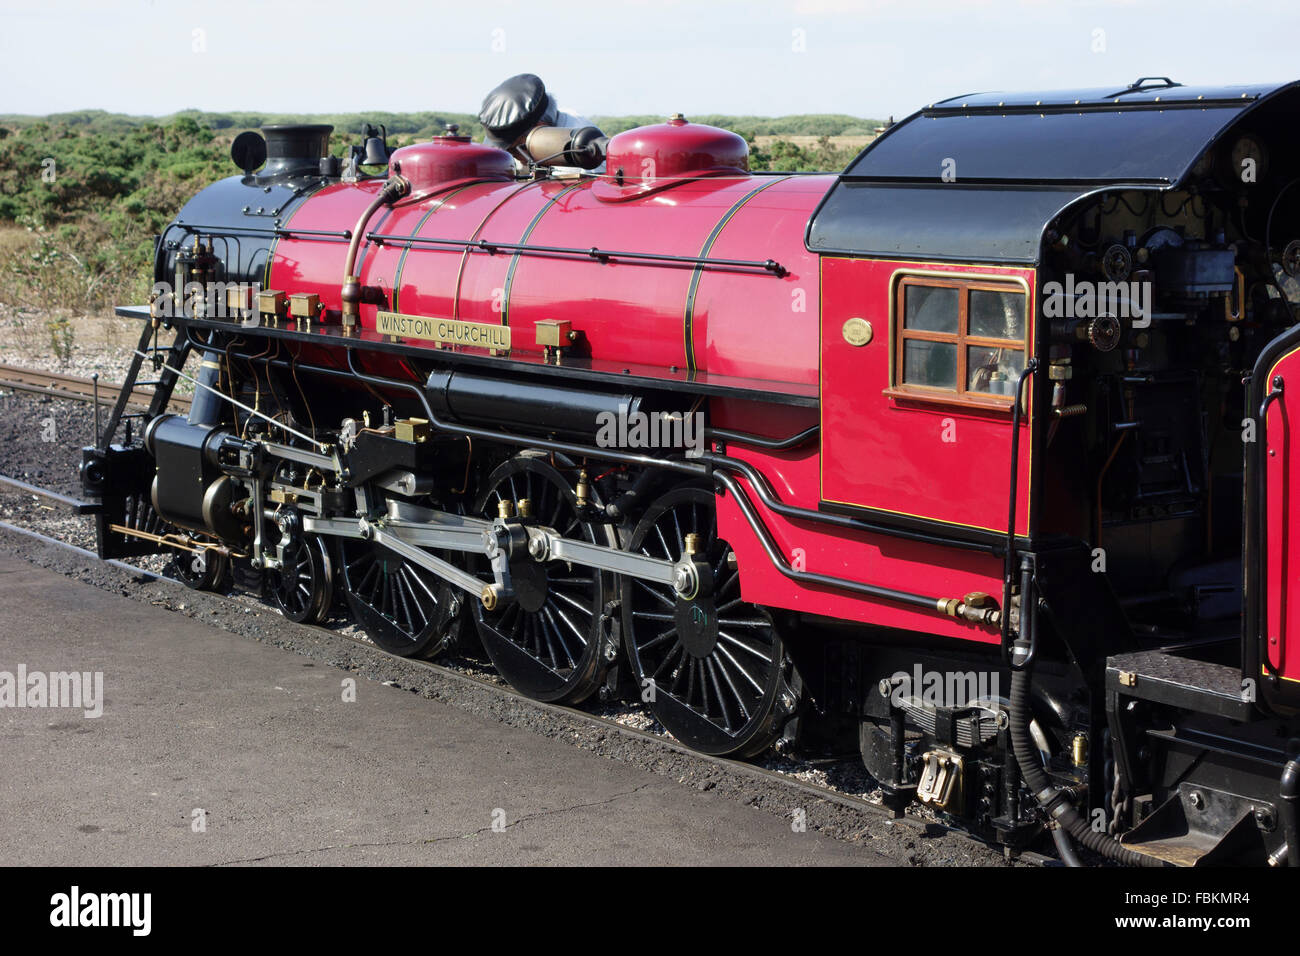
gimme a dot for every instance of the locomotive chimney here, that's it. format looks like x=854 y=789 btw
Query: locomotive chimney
x=295 y=150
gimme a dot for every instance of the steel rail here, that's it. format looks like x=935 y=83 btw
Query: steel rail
x=71 y=387
x=66 y=500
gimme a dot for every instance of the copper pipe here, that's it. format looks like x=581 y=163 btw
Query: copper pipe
x=395 y=188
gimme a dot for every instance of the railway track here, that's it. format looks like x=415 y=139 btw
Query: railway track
x=740 y=768
x=79 y=389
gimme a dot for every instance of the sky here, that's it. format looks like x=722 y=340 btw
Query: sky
x=869 y=58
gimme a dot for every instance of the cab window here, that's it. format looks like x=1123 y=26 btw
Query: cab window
x=958 y=339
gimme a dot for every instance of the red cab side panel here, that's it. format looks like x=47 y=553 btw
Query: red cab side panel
x=874 y=558
x=941 y=461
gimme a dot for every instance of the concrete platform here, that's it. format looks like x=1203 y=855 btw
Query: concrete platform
x=289 y=773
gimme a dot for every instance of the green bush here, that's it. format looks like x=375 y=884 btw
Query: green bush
x=92 y=188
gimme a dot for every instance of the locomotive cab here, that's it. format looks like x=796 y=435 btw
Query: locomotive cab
x=1153 y=234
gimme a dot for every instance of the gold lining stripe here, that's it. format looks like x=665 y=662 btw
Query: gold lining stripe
x=688 y=318
x=523 y=241
x=419 y=226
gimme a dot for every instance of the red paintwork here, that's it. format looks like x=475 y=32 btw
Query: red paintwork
x=1282 y=558
x=629 y=312
x=878 y=559
x=795 y=478
x=747 y=326
x=449 y=161
x=650 y=158
x=879 y=450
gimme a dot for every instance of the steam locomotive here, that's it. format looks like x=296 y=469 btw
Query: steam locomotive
x=975 y=456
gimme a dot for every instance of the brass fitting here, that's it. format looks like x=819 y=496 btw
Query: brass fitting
x=583 y=491
x=1079 y=750
x=976 y=607
x=351 y=296
x=415 y=430
x=1070 y=411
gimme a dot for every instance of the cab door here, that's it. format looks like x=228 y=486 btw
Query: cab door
x=920 y=363
x=1276 y=538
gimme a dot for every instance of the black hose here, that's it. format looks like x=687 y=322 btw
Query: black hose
x=1050 y=798
x=1064 y=848
x=1289 y=795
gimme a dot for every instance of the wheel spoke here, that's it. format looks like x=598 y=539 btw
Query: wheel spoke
x=549 y=620
x=407 y=575
x=577 y=631
x=652 y=616
x=668 y=552
x=578 y=605
x=674 y=652
x=667 y=635
x=399 y=587
x=743 y=673
x=752 y=623
x=723 y=635
x=717 y=690
x=654 y=593
x=424 y=587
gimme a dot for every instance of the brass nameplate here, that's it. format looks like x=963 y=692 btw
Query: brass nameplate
x=448 y=331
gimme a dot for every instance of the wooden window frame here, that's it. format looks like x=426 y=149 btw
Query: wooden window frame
x=963 y=340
